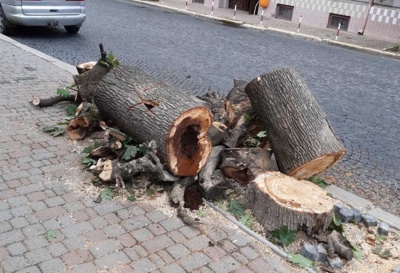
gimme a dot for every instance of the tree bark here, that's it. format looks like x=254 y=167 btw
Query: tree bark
x=149 y=110
x=301 y=136
x=366 y=16
x=51 y=101
x=243 y=164
x=278 y=200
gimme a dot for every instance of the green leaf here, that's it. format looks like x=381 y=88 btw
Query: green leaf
x=71 y=109
x=51 y=234
x=357 y=254
x=88 y=162
x=112 y=60
x=201 y=213
x=91 y=148
x=130 y=152
x=131 y=198
x=128 y=140
x=380 y=239
x=318 y=181
x=142 y=149
x=262 y=134
x=63 y=92
x=220 y=203
x=284 y=235
x=336 y=220
x=300 y=260
x=63 y=123
x=107 y=194
x=54 y=130
x=150 y=192
x=236 y=209
x=244 y=219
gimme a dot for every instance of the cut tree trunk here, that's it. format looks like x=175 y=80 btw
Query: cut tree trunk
x=149 y=110
x=299 y=131
x=87 y=118
x=243 y=164
x=278 y=200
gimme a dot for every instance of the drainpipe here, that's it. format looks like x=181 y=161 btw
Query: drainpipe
x=370 y=4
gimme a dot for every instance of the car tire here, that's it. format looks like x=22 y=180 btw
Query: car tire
x=4 y=24
x=72 y=29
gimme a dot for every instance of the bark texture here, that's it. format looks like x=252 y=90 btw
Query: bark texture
x=301 y=136
x=278 y=200
x=149 y=110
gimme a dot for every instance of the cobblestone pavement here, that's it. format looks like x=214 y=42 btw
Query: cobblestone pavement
x=358 y=91
x=49 y=224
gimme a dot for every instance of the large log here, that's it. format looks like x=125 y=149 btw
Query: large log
x=149 y=110
x=278 y=200
x=301 y=136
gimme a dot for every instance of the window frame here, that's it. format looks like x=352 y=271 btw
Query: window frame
x=340 y=17
x=278 y=6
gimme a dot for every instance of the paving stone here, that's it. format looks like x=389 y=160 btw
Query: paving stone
x=140 y=250
x=4 y=227
x=80 y=216
x=357 y=216
x=346 y=214
x=383 y=228
x=216 y=234
x=156 y=260
x=136 y=222
x=156 y=216
x=77 y=229
x=57 y=249
x=36 y=196
x=51 y=224
x=114 y=230
x=244 y=269
x=18 y=201
x=19 y=222
x=98 y=223
x=74 y=243
x=197 y=243
x=13 y=264
x=249 y=252
x=16 y=249
x=51 y=213
x=172 y=268
x=31 y=269
x=107 y=207
x=38 y=206
x=21 y=211
x=38 y=255
x=71 y=259
x=156 y=229
x=240 y=240
x=66 y=221
x=55 y=201
x=224 y=265
x=3 y=253
x=74 y=206
x=33 y=230
x=194 y=261
x=95 y=236
x=167 y=258
x=136 y=210
x=178 y=251
x=112 y=218
x=239 y=257
x=143 y=265
x=105 y=247
x=189 y=232
x=228 y=246
x=11 y=237
x=53 y=265
x=5 y=216
x=112 y=260
x=127 y=240
x=157 y=243
x=132 y=254
x=214 y=252
x=31 y=218
x=36 y=242
x=30 y=188
x=85 y=268
x=124 y=214
x=176 y=236
x=171 y=224
x=259 y=265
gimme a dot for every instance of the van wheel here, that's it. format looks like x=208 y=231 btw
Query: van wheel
x=4 y=24
x=72 y=29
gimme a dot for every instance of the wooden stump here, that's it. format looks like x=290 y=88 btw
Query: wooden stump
x=301 y=136
x=278 y=200
x=150 y=110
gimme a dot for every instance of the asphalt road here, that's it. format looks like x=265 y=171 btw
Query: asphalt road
x=358 y=91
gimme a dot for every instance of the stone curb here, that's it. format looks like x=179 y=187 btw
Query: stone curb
x=67 y=67
x=277 y=31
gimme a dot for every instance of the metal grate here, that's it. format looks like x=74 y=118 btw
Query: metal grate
x=335 y=19
x=284 y=12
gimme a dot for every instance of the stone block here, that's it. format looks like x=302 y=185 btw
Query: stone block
x=369 y=220
x=322 y=253
x=357 y=216
x=309 y=251
x=383 y=228
x=336 y=263
x=346 y=215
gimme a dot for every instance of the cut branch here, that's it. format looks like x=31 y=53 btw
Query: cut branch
x=51 y=101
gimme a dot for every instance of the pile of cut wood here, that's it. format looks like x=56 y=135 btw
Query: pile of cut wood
x=267 y=135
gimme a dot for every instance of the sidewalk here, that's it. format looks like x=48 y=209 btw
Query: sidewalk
x=283 y=27
x=49 y=222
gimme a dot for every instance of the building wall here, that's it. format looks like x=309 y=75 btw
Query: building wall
x=382 y=22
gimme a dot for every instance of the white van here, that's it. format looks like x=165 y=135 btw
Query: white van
x=68 y=13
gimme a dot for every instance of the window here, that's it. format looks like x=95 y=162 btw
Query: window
x=335 y=19
x=284 y=12
x=198 y=1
